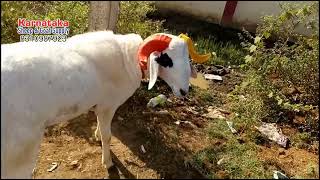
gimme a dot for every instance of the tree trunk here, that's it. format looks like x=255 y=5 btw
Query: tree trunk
x=103 y=15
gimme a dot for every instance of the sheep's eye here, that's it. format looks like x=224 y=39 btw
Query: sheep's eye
x=164 y=60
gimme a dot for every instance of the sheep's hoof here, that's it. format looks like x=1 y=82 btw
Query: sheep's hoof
x=113 y=173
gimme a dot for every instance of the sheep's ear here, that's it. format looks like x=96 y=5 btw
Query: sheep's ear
x=153 y=70
x=193 y=71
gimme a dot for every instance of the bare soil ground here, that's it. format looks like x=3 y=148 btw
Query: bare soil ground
x=169 y=147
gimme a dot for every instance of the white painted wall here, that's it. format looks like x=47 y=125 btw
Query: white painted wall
x=247 y=14
x=210 y=11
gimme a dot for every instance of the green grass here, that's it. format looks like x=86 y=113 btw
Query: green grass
x=227 y=53
x=240 y=158
x=301 y=140
x=218 y=129
x=312 y=169
x=204 y=97
x=209 y=37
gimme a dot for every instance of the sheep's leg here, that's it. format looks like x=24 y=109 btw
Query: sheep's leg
x=97 y=133
x=104 y=122
x=20 y=161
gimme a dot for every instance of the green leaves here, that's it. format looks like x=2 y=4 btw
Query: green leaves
x=132 y=18
x=253 y=48
x=266 y=34
x=286 y=15
x=257 y=40
x=248 y=59
x=280 y=101
x=282 y=65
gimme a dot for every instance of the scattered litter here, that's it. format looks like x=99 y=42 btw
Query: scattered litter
x=74 y=164
x=200 y=81
x=279 y=175
x=214 y=54
x=186 y=122
x=215 y=113
x=218 y=66
x=191 y=124
x=213 y=77
x=163 y=112
x=53 y=167
x=142 y=149
x=217 y=70
x=221 y=72
x=273 y=133
x=161 y=99
x=79 y=167
x=220 y=161
x=120 y=118
x=191 y=109
x=169 y=100
x=230 y=124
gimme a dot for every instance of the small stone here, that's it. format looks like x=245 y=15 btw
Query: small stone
x=74 y=164
x=143 y=149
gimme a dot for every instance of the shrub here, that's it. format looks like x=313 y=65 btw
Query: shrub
x=284 y=76
x=133 y=18
x=74 y=11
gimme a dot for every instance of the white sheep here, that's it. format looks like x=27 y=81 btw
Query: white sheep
x=46 y=83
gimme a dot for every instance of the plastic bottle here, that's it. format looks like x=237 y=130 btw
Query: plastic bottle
x=157 y=100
